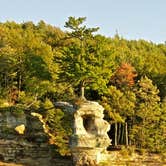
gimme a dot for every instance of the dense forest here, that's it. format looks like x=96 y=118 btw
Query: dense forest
x=41 y=64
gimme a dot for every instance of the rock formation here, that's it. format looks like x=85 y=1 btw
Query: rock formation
x=23 y=140
x=89 y=137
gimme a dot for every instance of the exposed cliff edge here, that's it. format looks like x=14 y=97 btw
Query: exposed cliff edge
x=24 y=140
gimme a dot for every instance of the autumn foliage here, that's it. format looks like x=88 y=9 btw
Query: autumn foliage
x=124 y=76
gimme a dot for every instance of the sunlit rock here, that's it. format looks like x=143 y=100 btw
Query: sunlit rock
x=20 y=129
x=89 y=132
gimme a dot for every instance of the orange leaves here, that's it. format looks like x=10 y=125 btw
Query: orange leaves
x=124 y=76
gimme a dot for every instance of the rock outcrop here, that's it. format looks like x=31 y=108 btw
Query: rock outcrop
x=89 y=137
x=24 y=140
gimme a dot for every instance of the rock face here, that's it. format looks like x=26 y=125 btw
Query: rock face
x=89 y=137
x=8 y=123
x=23 y=140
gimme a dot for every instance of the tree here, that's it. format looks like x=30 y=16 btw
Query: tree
x=27 y=63
x=58 y=125
x=82 y=34
x=147 y=114
x=160 y=142
x=119 y=106
x=124 y=76
x=123 y=79
x=80 y=65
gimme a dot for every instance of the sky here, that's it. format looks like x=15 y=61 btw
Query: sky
x=131 y=19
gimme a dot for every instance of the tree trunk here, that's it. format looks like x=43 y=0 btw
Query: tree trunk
x=126 y=134
x=122 y=135
x=82 y=92
x=130 y=124
x=116 y=130
x=119 y=132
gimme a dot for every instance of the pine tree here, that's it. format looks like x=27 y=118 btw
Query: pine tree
x=81 y=65
x=147 y=114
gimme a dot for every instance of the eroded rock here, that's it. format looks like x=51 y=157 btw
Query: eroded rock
x=89 y=132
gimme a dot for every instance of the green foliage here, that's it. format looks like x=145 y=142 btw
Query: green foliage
x=148 y=113
x=119 y=104
x=81 y=64
x=59 y=127
x=40 y=64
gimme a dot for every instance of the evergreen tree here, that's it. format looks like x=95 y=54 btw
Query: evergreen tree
x=58 y=125
x=80 y=65
x=147 y=114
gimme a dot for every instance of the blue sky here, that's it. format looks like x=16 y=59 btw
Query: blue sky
x=132 y=19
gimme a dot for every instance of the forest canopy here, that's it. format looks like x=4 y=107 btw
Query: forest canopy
x=40 y=63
